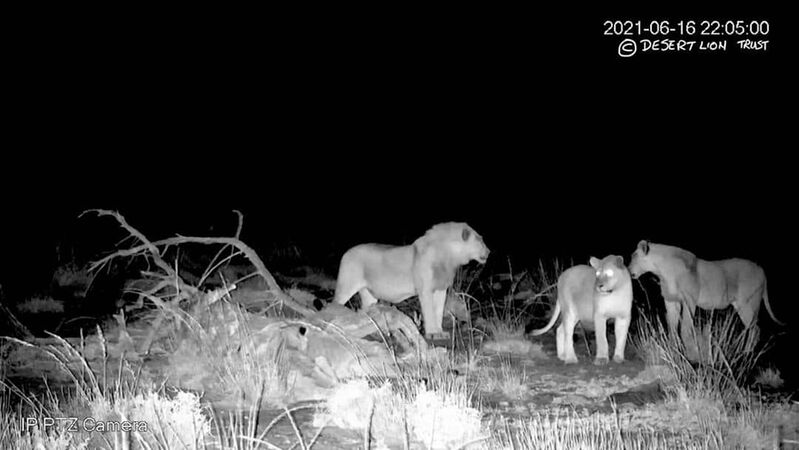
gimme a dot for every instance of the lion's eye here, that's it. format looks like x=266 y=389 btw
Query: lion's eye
x=608 y=273
x=598 y=274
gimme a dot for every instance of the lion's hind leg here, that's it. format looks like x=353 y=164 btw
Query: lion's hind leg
x=560 y=342
x=688 y=333
x=346 y=286
x=568 y=324
x=747 y=304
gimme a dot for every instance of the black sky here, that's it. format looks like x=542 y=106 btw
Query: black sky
x=375 y=125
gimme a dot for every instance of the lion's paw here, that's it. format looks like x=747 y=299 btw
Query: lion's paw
x=572 y=360
x=600 y=361
x=618 y=359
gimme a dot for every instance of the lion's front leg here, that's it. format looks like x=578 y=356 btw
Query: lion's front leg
x=600 y=323
x=621 y=325
x=432 y=303
x=439 y=301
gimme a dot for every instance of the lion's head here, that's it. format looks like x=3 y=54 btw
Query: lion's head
x=459 y=241
x=640 y=262
x=650 y=257
x=610 y=273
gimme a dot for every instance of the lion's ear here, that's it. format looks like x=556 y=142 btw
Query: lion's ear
x=619 y=261
x=466 y=234
x=594 y=262
x=644 y=246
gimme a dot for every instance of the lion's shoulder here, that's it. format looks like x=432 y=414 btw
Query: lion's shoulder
x=677 y=260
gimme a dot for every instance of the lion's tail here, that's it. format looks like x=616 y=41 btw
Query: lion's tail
x=768 y=306
x=555 y=315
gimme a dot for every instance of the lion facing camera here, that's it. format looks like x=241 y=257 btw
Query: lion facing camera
x=425 y=268
x=592 y=295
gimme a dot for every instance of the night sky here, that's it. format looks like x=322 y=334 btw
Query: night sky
x=324 y=133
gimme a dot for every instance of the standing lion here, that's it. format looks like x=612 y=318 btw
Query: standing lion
x=687 y=282
x=591 y=295
x=426 y=268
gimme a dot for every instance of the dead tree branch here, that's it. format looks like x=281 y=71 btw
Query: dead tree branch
x=152 y=248
x=146 y=244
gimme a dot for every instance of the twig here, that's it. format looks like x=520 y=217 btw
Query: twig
x=277 y=418
x=367 y=433
x=146 y=245
x=319 y=432
x=26 y=333
x=241 y=223
x=296 y=430
x=261 y=442
x=133 y=232
x=473 y=441
x=540 y=294
x=729 y=369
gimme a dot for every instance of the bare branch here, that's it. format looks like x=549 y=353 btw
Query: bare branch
x=135 y=233
x=241 y=223
x=250 y=254
x=152 y=248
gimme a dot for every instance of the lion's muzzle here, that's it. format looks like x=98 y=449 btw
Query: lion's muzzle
x=603 y=285
x=603 y=289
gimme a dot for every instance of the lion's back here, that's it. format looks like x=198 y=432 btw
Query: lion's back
x=376 y=259
x=576 y=290
x=385 y=269
x=720 y=280
x=742 y=270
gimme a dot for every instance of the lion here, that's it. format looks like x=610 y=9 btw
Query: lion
x=687 y=282
x=592 y=295
x=425 y=269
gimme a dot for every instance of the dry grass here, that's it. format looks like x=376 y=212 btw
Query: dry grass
x=406 y=410
x=728 y=354
x=510 y=379
x=711 y=395
x=230 y=360
x=431 y=403
x=98 y=412
x=567 y=429
x=37 y=305
x=770 y=378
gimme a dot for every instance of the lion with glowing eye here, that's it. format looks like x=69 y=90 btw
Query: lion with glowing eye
x=591 y=295
x=425 y=268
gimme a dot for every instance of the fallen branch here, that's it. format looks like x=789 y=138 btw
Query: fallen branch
x=152 y=248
